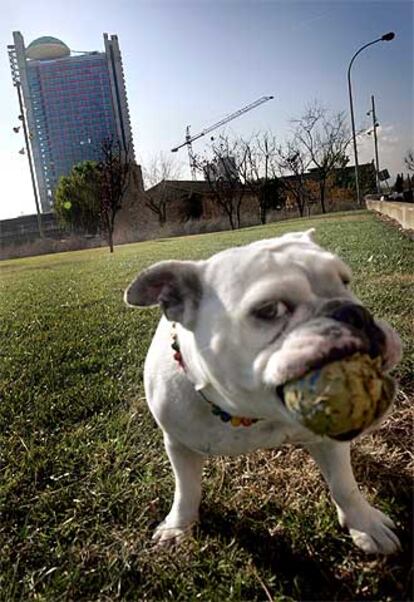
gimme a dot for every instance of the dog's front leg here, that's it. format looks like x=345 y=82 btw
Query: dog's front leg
x=370 y=529
x=187 y=466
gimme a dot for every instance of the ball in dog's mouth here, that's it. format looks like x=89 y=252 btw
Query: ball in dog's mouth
x=341 y=399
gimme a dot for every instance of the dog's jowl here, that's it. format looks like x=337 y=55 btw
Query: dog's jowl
x=236 y=328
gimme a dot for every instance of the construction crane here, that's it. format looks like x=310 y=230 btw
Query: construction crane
x=190 y=139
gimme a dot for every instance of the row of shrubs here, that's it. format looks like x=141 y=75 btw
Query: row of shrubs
x=75 y=242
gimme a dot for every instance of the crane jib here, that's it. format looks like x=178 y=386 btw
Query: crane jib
x=190 y=139
x=223 y=121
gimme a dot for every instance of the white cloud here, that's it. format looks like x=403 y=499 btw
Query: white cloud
x=392 y=148
x=17 y=193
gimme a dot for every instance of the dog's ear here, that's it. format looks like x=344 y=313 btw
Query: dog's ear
x=309 y=234
x=174 y=285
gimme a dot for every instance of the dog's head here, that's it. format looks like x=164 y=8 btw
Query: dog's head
x=254 y=317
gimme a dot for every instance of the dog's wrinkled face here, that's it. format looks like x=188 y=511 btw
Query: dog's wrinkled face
x=260 y=315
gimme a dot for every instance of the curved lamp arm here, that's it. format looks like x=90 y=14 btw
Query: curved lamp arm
x=387 y=37
x=360 y=50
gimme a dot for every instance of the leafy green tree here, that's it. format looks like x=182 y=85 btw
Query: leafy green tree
x=90 y=197
x=77 y=198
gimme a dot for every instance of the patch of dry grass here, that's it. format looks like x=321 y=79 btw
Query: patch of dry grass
x=83 y=476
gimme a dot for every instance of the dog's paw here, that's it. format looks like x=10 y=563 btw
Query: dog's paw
x=167 y=536
x=371 y=530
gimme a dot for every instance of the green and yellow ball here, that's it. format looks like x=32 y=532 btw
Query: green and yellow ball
x=341 y=399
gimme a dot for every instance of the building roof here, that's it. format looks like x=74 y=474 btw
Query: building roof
x=312 y=173
x=45 y=40
x=203 y=187
x=46 y=48
x=187 y=186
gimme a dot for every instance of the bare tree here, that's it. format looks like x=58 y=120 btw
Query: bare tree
x=409 y=160
x=236 y=168
x=324 y=139
x=221 y=169
x=114 y=174
x=258 y=171
x=161 y=169
x=266 y=144
x=293 y=163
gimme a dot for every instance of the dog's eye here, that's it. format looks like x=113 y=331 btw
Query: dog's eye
x=269 y=311
x=346 y=282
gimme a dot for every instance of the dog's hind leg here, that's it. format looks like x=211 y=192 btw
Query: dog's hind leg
x=187 y=466
x=370 y=529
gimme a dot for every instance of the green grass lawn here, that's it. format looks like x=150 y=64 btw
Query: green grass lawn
x=83 y=475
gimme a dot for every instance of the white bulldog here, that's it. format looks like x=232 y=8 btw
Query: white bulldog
x=236 y=328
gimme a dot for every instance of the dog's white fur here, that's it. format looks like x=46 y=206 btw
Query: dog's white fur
x=236 y=360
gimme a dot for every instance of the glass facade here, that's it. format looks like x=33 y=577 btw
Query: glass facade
x=72 y=109
x=72 y=103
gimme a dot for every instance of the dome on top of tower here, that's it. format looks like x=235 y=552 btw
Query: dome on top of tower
x=46 y=48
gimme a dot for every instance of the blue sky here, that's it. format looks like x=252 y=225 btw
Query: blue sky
x=193 y=62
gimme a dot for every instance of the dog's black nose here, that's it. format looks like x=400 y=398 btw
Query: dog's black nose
x=354 y=315
x=359 y=318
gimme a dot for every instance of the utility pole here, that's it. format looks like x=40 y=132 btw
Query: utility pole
x=374 y=127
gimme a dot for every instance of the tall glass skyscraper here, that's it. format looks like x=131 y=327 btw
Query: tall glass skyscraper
x=72 y=103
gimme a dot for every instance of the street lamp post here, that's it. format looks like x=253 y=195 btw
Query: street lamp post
x=387 y=37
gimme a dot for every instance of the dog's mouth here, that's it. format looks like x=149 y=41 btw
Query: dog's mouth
x=319 y=361
x=375 y=352
x=335 y=354
x=313 y=346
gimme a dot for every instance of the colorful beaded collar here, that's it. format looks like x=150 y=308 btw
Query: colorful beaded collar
x=222 y=414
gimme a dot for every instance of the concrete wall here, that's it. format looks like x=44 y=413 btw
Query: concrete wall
x=403 y=213
x=25 y=229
